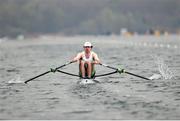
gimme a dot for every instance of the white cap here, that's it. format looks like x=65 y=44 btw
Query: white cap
x=87 y=44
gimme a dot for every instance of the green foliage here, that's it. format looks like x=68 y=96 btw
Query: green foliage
x=86 y=16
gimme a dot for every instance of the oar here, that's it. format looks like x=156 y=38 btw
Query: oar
x=48 y=71
x=136 y=75
x=123 y=71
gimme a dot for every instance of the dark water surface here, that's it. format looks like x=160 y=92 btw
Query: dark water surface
x=58 y=96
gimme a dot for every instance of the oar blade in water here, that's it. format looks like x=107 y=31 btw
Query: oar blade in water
x=16 y=80
x=155 y=76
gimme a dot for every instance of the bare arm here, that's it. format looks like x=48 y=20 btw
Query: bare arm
x=77 y=58
x=96 y=58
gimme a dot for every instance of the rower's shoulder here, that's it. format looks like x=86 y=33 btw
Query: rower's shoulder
x=93 y=53
x=81 y=53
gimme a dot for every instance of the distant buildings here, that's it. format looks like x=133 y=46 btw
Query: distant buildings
x=153 y=32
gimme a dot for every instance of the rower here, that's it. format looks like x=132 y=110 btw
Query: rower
x=87 y=59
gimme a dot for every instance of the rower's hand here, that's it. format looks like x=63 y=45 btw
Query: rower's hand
x=74 y=60
x=96 y=62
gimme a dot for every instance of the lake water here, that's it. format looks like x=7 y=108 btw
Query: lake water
x=59 y=96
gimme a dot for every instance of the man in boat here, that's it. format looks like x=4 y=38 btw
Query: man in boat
x=87 y=59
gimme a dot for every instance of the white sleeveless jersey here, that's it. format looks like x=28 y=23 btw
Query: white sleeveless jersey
x=87 y=59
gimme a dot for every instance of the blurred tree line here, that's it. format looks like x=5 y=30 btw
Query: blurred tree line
x=87 y=16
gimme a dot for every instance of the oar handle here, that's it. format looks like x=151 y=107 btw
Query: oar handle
x=65 y=64
x=108 y=66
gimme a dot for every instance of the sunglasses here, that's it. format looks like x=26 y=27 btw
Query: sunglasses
x=87 y=46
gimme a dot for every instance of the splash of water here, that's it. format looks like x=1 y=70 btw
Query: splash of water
x=155 y=76
x=163 y=68
x=16 y=79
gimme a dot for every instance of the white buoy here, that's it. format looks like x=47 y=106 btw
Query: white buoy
x=168 y=46
x=155 y=45
x=161 y=45
x=175 y=46
x=145 y=44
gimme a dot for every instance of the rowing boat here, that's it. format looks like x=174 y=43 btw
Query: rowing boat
x=87 y=81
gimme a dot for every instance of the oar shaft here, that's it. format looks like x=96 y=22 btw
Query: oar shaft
x=37 y=76
x=67 y=73
x=108 y=66
x=136 y=75
x=65 y=64
x=49 y=71
x=124 y=71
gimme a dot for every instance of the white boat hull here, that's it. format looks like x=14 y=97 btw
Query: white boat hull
x=87 y=81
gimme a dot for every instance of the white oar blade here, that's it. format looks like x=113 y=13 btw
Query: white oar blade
x=16 y=80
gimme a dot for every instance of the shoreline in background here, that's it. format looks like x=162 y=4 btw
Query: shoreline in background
x=142 y=40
